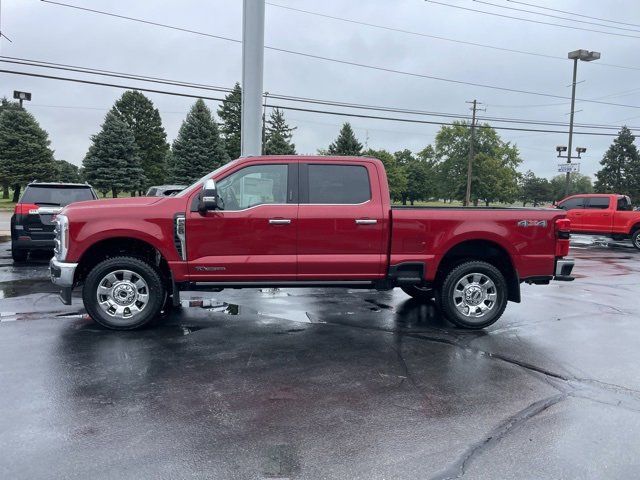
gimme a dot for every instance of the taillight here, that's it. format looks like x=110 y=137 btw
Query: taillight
x=563 y=234
x=26 y=209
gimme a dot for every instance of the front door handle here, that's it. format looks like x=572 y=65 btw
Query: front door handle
x=279 y=221
x=366 y=221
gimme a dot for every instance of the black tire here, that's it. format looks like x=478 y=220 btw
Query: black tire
x=154 y=289
x=419 y=293
x=491 y=310
x=19 y=256
x=635 y=238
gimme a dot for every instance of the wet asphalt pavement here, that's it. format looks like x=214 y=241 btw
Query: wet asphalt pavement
x=327 y=384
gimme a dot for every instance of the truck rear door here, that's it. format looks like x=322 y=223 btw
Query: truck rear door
x=340 y=222
x=598 y=215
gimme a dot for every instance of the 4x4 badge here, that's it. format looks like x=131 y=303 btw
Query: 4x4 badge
x=532 y=223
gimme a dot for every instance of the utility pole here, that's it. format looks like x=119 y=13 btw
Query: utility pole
x=252 y=74
x=474 y=108
x=264 y=123
x=567 y=181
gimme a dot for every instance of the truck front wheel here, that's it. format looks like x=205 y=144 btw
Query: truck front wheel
x=123 y=293
x=635 y=238
x=473 y=295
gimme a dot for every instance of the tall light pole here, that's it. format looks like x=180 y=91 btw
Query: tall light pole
x=585 y=56
x=252 y=73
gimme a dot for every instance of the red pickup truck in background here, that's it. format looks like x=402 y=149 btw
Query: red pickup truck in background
x=603 y=214
x=298 y=221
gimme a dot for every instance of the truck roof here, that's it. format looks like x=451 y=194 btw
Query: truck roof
x=271 y=158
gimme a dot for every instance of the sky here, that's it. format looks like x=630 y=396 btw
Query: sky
x=72 y=112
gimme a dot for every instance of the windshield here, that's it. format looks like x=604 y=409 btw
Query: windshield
x=206 y=177
x=56 y=195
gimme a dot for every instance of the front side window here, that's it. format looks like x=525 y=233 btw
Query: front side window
x=254 y=185
x=572 y=203
x=601 y=203
x=338 y=184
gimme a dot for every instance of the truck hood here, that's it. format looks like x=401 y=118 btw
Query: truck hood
x=111 y=203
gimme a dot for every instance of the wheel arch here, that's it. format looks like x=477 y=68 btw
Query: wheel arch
x=121 y=246
x=483 y=250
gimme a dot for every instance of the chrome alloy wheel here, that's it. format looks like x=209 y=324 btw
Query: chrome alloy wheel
x=475 y=295
x=122 y=294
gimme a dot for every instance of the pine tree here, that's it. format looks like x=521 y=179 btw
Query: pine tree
x=278 y=135
x=67 y=172
x=24 y=150
x=231 y=120
x=620 y=172
x=112 y=162
x=346 y=143
x=139 y=113
x=198 y=149
x=7 y=104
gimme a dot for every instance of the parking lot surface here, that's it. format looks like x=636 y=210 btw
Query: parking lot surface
x=326 y=384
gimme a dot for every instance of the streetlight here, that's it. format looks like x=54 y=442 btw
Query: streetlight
x=585 y=56
x=21 y=96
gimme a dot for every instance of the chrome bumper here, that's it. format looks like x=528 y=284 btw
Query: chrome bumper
x=62 y=273
x=564 y=267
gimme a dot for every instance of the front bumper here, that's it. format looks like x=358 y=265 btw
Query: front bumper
x=62 y=275
x=564 y=267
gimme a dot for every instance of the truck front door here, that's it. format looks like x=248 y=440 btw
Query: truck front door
x=253 y=237
x=575 y=210
x=340 y=222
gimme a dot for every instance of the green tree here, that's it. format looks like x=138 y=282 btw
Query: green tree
x=67 y=172
x=494 y=175
x=620 y=172
x=534 y=190
x=395 y=174
x=24 y=150
x=112 y=163
x=198 y=149
x=577 y=184
x=346 y=144
x=278 y=135
x=421 y=174
x=139 y=113
x=6 y=104
x=230 y=113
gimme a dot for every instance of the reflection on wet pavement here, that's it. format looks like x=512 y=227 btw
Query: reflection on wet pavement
x=324 y=383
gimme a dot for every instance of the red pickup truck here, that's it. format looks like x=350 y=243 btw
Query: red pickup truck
x=603 y=214
x=301 y=221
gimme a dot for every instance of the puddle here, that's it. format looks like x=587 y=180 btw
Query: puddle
x=18 y=288
x=186 y=330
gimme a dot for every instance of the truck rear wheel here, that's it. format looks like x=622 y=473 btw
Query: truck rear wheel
x=123 y=293
x=424 y=294
x=635 y=238
x=473 y=295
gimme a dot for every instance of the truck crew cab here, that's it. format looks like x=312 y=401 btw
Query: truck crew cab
x=301 y=221
x=611 y=215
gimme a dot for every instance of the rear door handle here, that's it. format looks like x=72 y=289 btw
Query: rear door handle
x=366 y=221
x=279 y=221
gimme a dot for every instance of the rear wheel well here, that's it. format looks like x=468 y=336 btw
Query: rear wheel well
x=116 y=247
x=634 y=228
x=486 y=251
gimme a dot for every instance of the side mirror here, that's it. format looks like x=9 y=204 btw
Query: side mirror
x=208 y=197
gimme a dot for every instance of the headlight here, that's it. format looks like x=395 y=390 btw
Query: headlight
x=61 y=237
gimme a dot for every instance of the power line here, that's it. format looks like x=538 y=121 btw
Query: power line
x=540 y=22
x=371 y=67
x=555 y=16
x=573 y=13
x=287 y=107
x=146 y=78
x=410 y=32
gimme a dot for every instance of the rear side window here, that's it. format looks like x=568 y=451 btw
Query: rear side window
x=599 y=203
x=62 y=196
x=338 y=184
x=624 y=204
x=572 y=203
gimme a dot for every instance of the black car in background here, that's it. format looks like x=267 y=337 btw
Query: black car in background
x=165 y=190
x=32 y=221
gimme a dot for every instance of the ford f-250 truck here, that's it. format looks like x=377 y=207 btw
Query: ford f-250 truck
x=603 y=214
x=301 y=221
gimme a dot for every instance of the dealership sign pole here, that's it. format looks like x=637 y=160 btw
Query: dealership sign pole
x=252 y=73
